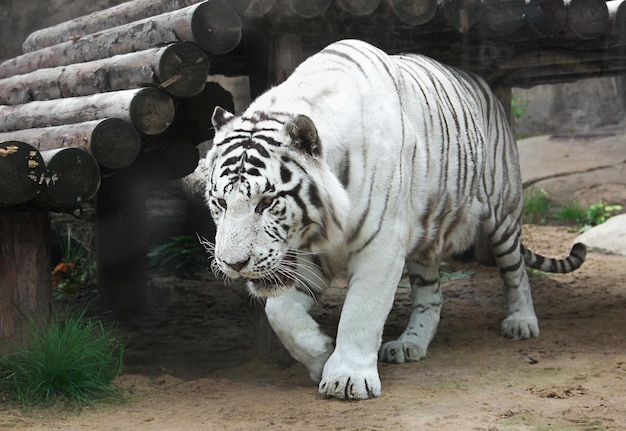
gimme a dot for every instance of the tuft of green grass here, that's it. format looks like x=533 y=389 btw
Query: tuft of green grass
x=74 y=360
x=536 y=206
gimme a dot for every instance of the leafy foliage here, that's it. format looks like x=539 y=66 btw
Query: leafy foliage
x=536 y=206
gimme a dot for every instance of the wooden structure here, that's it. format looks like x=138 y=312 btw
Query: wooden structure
x=90 y=101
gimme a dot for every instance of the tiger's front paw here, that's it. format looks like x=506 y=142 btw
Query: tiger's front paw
x=348 y=383
x=519 y=326
x=399 y=352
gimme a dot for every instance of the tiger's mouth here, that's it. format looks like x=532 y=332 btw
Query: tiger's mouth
x=275 y=282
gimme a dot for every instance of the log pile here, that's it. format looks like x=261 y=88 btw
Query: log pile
x=490 y=37
x=103 y=84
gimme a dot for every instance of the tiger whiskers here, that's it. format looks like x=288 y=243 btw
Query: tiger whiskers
x=209 y=248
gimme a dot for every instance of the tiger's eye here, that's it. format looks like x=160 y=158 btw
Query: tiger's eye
x=264 y=204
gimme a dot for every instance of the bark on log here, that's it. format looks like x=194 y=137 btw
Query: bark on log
x=415 y=12
x=213 y=25
x=113 y=142
x=22 y=170
x=181 y=69
x=149 y=110
x=309 y=8
x=252 y=8
x=25 y=284
x=101 y=20
x=73 y=178
x=359 y=7
x=586 y=19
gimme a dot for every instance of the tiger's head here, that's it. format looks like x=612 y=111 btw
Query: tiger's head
x=272 y=197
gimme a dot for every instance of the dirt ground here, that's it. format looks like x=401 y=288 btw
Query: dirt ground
x=191 y=365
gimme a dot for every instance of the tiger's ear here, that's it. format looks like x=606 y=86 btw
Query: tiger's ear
x=303 y=134
x=221 y=117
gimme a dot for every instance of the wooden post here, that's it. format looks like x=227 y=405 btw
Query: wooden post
x=273 y=58
x=122 y=241
x=25 y=284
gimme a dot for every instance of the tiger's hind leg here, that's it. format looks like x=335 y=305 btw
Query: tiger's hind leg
x=426 y=297
x=521 y=321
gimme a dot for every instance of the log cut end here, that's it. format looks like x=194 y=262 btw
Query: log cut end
x=216 y=27
x=21 y=171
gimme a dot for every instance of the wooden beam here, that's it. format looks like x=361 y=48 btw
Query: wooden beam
x=22 y=171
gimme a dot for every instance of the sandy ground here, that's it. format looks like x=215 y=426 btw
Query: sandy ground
x=191 y=366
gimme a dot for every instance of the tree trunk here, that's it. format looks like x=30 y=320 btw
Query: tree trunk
x=213 y=25
x=73 y=178
x=101 y=20
x=25 y=284
x=181 y=69
x=22 y=171
x=149 y=110
x=114 y=143
x=122 y=241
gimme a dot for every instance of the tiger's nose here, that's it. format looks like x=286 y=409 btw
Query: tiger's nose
x=237 y=266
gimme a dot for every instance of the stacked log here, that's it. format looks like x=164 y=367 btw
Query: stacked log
x=104 y=83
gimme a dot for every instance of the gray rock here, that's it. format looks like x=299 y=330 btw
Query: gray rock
x=609 y=237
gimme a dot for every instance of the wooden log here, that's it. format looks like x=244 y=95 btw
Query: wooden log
x=73 y=178
x=504 y=17
x=101 y=20
x=416 y=12
x=213 y=25
x=309 y=8
x=21 y=171
x=617 y=19
x=542 y=19
x=113 y=142
x=462 y=14
x=180 y=69
x=360 y=7
x=252 y=8
x=149 y=110
x=586 y=19
x=25 y=284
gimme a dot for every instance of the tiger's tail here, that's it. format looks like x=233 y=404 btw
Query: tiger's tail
x=571 y=263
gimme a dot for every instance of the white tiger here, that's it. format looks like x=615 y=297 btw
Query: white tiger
x=365 y=162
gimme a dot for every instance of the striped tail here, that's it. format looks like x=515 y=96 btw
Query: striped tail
x=571 y=263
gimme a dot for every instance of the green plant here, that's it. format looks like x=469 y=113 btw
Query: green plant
x=599 y=213
x=77 y=267
x=572 y=212
x=75 y=360
x=183 y=257
x=536 y=205
x=518 y=107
